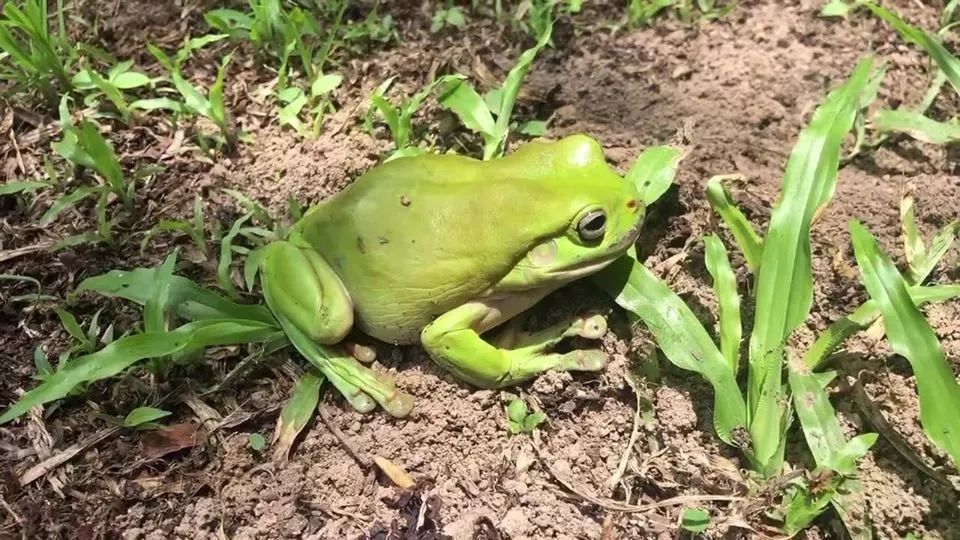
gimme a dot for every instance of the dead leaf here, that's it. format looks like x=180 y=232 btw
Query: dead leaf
x=156 y=444
x=394 y=472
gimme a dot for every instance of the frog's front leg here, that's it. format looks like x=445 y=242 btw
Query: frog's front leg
x=308 y=299
x=454 y=341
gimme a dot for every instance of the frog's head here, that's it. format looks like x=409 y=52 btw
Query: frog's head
x=597 y=213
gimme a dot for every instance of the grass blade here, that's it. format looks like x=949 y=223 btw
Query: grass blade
x=459 y=96
x=296 y=413
x=785 y=280
x=154 y=312
x=12 y=188
x=947 y=63
x=911 y=336
x=820 y=425
x=915 y=125
x=750 y=243
x=654 y=170
x=913 y=248
x=725 y=288
x=226 y=256
x=863 y=316
x=510 y=89
x=938 y=248
x=125 y=352
x=186 y=298
x=679 y=334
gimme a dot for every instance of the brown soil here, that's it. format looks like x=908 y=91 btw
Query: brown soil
x=737 y=90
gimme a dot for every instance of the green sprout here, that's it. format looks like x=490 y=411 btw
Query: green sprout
x=520 y=420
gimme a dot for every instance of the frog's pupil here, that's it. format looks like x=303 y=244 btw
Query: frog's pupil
x=592 y=225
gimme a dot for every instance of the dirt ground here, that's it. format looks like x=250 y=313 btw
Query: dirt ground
x=736 y=91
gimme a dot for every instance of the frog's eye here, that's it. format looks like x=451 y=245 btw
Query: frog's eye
x=592 y=225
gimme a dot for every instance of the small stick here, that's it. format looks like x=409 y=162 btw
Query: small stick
x=54 y=461
x=362 y=459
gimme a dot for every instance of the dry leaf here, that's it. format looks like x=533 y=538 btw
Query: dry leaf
x=394 y=472
x=156 y=444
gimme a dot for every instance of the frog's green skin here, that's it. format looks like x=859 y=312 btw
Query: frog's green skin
x=438 y=249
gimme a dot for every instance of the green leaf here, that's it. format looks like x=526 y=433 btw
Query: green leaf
x=186 y=298
x=13 y=188
x=836 y=8
x=129 y=80
x=257 y=442
x=70 y=324
x=821 y=428
x=695 y=520
x=325 y=84
x=533 y=420
x=725 y=288
x=913 y=248
x=947 y=63
x=226 y=255
x=297 y=412
x=654 y=170
x=517 y=411
x=863 y=316
x=121 y=354
x=915 y=125
x=941 y=243
x=104 y=158
x=144 y=415
x=785 y=281
x=509 y=90
x=161 y=103
x=153 y=310
x=459 y=96
x=679 y=334
x=218 y=109
x=749 y=242
x=534 y=128
x=911 y=336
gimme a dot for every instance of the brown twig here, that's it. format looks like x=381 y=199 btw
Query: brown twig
x=65 y=455
x=361 y=458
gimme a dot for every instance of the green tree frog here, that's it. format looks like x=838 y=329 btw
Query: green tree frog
x=441 y=249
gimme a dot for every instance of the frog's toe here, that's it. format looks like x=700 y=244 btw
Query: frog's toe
x=592 y=327
x=584 y=360
x=363 y=353
x=357 y=398
x=400 y=405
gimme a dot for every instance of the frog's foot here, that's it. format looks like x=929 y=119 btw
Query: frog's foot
x=362 y=387
x=454 y=343
x=587 y=326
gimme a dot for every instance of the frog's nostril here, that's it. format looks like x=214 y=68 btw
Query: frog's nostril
x=632 y=204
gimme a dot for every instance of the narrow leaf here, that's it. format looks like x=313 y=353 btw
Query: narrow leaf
x=725 y=288
x=125 y=352
x=296 y=413
x=749 y=242
x=186 y=298
x=142 y=415
x=915 y=125
x=785 y=280
x=679 y=334
x=911 y=336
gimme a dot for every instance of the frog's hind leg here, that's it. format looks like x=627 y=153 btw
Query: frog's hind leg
x=308 y=299
x=300 y=285
x=454 y=342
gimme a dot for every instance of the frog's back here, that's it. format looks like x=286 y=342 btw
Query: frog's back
x=416 y=237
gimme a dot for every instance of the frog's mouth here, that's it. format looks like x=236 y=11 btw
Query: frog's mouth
x=598 y=262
